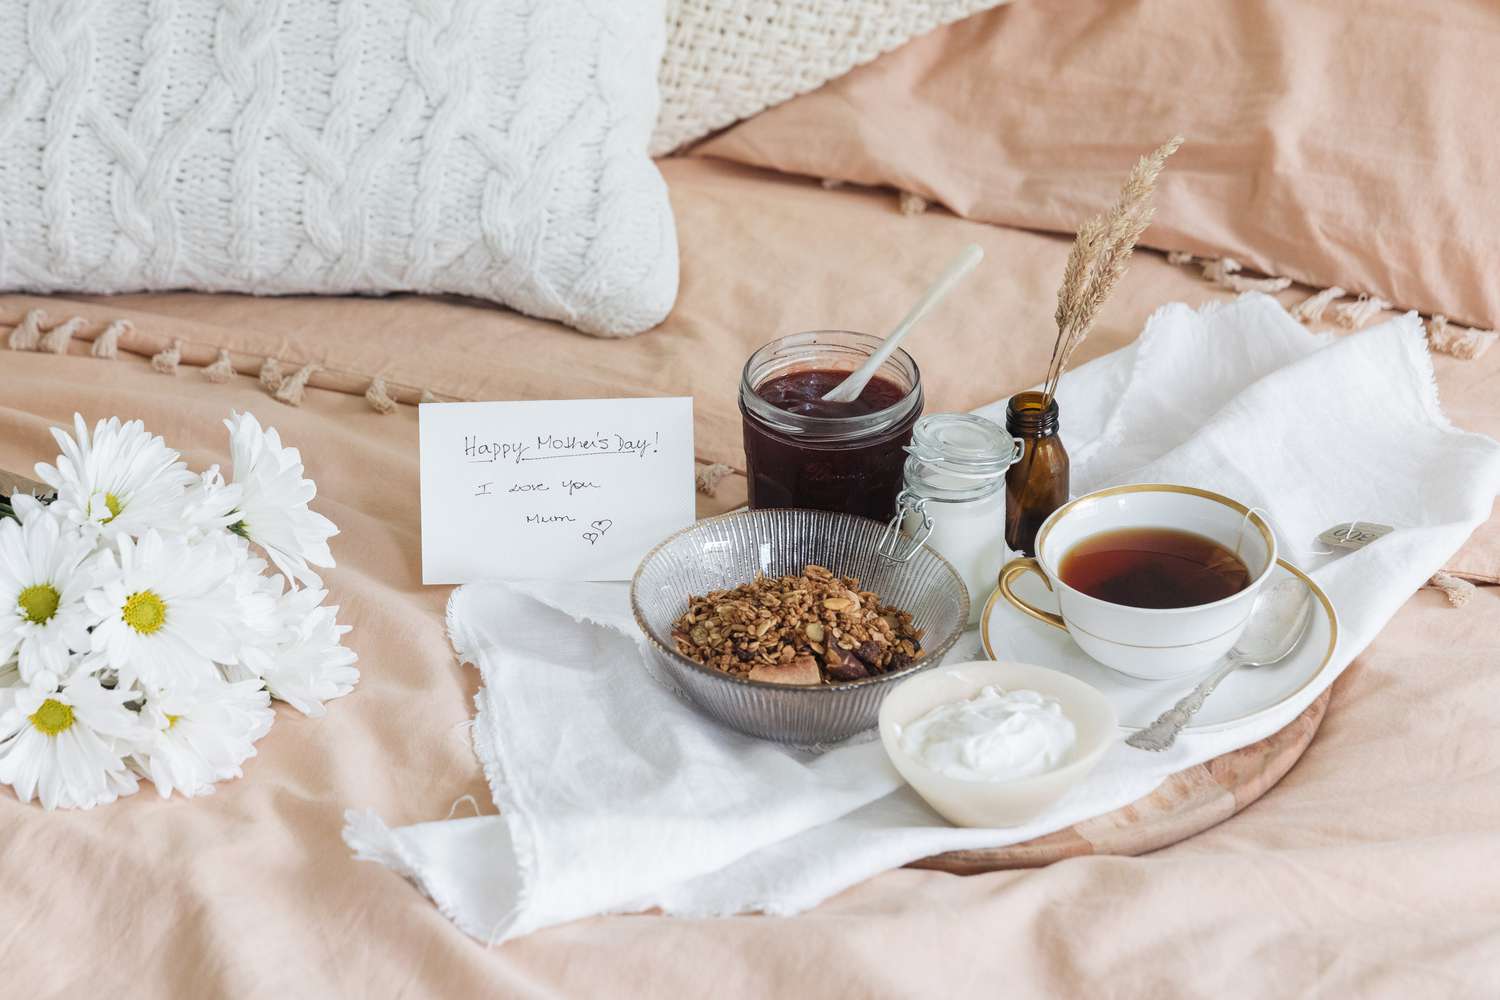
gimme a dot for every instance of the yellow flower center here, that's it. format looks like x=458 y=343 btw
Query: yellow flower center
x=114 y=505
x=53 y=717
x=171 y=719
x=144 y=612
x=39 y=603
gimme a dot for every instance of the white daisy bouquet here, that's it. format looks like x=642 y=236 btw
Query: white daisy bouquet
x=142 y=634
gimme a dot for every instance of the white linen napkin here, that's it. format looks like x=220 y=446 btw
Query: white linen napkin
x=615 y=796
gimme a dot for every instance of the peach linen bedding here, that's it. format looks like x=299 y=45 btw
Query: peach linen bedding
x=1368 y=871
x=1333 y=141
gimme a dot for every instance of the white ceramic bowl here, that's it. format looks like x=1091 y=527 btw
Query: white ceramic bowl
x=997 y=803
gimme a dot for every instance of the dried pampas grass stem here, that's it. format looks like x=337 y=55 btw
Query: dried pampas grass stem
x=1098 y=258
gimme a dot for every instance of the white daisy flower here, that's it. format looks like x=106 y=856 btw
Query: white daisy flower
x=256 y=599
x=202 y=735
x=46 y=567
x=25 y=507
x=120 y=481
x=166 y=609
x=309 y=665
x=210 y=504
x=273 y=511
x=67 y=747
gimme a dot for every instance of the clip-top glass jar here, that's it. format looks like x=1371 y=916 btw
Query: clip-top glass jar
x=803 y=452
x=953 y=499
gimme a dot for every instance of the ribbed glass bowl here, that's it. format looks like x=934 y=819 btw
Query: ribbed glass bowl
x=722 y=552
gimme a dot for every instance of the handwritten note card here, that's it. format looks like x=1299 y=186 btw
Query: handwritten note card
x=565 y=490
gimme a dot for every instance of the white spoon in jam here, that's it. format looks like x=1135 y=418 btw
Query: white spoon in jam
x=848 y=390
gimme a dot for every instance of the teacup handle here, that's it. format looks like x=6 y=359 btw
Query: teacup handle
x=1015 y=568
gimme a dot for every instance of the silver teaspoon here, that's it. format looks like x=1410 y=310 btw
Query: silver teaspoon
x=1278 y=620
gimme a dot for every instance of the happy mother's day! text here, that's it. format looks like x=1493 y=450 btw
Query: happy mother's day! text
x=569 y=489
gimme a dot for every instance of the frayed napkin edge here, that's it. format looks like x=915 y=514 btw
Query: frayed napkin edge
x=502 y=790
x=367 y=835
x=370 y=839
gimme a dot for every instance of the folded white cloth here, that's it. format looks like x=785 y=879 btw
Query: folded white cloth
x=616 y=796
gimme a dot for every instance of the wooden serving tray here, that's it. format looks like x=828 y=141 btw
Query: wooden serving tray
x=1187 y=803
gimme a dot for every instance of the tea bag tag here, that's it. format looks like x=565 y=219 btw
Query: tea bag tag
x=1354 y=534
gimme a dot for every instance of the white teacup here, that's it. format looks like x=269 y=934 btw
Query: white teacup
x=1149 y=643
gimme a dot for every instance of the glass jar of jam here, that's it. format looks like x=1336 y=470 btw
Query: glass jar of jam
x=803 y=452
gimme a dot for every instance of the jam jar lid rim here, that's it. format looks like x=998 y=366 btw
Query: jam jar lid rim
x=796 y=423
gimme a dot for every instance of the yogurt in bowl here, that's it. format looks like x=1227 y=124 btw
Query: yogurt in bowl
x=994 y=735
x=993 y=744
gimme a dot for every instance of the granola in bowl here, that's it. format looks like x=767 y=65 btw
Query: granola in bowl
x=816 y=628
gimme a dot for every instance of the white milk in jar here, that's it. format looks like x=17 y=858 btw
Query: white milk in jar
x=953 y=499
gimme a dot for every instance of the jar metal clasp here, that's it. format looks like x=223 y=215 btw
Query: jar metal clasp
x=896 y=547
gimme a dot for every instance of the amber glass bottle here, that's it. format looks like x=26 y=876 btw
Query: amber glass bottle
x=1038 y=483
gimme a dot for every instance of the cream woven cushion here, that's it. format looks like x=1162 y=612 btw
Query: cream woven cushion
x=728 y=59
x=491 y=148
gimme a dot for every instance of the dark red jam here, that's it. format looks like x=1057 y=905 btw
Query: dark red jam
x=853 y=467
x=803 y=392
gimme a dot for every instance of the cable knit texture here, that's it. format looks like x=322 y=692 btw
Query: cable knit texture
x=491 y=148
x=728 y=59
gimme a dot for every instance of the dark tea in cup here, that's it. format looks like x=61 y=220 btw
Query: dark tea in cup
x=1153 y=568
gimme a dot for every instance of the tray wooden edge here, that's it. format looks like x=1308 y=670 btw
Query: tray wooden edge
x=1185 y=804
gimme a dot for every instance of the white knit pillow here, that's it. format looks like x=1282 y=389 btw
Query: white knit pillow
x=491 y=148
x=728 y=59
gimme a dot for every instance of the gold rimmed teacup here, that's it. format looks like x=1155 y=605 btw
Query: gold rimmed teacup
x=1149 y=643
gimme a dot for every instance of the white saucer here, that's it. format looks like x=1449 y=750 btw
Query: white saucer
x=1010 y=635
